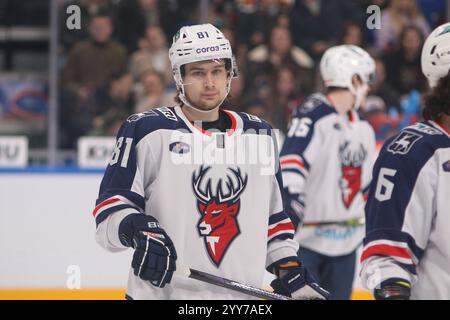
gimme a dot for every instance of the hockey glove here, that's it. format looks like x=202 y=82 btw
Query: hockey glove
x=154 y=253
x=294 y=206
x=393 y=289
x=295 y=282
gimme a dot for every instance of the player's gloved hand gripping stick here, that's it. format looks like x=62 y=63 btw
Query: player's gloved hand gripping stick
x=154 y=253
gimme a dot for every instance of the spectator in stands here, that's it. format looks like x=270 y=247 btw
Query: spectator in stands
x=316 y=25
x=153 y=54
x=80 y=116
x=398 y=15
x=284 y=98
x=434 y=11
x=246 y=17
x=265 y=60
x=237 y=99
x=131 y=20
x=109 y=124
x=352 y=34
x=88 y=9
x=116 y=95
x=92 y=62
x=403 y=65
x=151 y=92
x=383 y=89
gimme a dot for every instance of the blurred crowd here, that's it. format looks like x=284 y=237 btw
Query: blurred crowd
x=117 y=63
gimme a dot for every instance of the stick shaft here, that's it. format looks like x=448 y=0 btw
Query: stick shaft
x=236 y=286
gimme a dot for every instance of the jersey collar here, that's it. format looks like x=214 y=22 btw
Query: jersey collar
x=236 y=122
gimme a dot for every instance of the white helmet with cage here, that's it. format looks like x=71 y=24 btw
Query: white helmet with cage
x=340 y=63
x=199 y=43
x=436 y=54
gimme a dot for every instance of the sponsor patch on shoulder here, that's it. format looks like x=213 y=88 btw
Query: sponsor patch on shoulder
x=252 y=117
x=446 y=166
x=422 y=127
x=404 y=142
x=169 y=114
x=137 y=116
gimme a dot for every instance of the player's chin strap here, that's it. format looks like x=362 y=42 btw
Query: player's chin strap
x=360 y=92
x=185 y=101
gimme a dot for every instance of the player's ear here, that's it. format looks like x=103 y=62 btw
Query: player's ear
x=356 y=81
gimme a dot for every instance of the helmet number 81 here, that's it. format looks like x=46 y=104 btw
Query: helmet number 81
x=202 y=35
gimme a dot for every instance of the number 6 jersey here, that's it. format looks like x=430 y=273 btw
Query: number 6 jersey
x=408 y=213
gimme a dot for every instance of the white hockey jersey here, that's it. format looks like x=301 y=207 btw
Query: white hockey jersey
x=326 y=163
x=408 y=213
x=217 y=195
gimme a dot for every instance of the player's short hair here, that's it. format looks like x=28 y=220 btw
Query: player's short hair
x=227 y=67
x=437 y=102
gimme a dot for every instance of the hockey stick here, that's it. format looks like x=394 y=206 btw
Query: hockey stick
x=230 y=284
x=347 y=223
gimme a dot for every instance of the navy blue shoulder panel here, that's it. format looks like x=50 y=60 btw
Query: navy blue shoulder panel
x=254 y=124
x=141 y=124
x=315 y=107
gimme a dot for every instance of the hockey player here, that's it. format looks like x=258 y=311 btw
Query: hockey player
x=326 y=163
x=406 y=249
x=174 y=192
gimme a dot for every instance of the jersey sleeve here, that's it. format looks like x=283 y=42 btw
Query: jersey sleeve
x=399 y=211
x=121 y=190
x=280 y=244
x=300 y=149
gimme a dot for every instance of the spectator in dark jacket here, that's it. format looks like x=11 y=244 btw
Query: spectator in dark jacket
x=317 y=24
x=92 y=63
x=403 y=65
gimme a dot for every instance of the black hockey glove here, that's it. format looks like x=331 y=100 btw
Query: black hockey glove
x=393 y=289
x=294 y=281
x=154 y=253
x=294 y=206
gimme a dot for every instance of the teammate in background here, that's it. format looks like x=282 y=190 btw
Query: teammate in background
x=406 y=249
x=326 y=163
x=221 y=217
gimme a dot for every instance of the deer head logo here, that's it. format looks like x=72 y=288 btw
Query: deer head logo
x=218 y=223
x=352 y=157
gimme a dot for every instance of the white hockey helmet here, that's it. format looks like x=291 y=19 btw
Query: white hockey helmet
x=199 y=43
x=436 y=54
x=340 y=63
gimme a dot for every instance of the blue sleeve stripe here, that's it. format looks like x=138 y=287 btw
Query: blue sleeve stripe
x=133 y=197
x=283 y=236
x=277 y=217
x=104 y=214
x=293 y=170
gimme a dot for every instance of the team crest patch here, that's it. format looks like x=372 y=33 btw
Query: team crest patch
x=218 y=224
x=310 y=105
x=404 y=142
x=137 y=116
x=179 y=147
x=446 y=166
